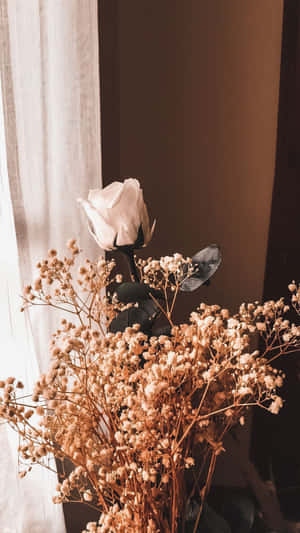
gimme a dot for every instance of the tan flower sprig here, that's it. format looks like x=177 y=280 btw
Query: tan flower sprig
x=141 y=418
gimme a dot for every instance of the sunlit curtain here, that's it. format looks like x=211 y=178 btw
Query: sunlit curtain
x=49 y=156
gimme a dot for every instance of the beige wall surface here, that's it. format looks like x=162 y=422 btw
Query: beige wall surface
x=199 y=84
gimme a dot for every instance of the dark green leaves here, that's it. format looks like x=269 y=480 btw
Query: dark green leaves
x=129 y=317
x=230 y=510
x=162 y=330
x=210 y=522
x=239 y=511
x=135 y=292
x=206 y=263
x=143 y=312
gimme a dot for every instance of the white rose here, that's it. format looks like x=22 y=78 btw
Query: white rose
x=118 y=215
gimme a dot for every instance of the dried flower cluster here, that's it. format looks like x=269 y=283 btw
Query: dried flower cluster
x=58 y=286
x=166 y=275
x=141 y=418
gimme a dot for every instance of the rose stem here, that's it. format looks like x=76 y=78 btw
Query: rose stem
x=132 y=266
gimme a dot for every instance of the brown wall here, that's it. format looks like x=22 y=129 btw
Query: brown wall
x=189 y=103
x=199 y=83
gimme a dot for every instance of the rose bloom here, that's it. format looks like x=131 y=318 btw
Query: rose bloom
x=118 y=215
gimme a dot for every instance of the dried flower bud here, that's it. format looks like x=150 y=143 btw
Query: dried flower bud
x=87 y=496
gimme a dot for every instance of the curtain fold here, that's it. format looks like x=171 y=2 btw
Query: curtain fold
x=25 y=505
x=51 y=131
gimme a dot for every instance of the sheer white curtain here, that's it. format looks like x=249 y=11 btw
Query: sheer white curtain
x=50 y=155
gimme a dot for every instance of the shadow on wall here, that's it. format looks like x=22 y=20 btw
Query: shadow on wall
x=198 y=93
x=190 y=103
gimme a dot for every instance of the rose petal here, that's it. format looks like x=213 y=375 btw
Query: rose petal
x=152 y=230
x=124 y=217
x=117 y=213
x=145 y=224
x=126 y=236
x=102 y=232
x=107 y=197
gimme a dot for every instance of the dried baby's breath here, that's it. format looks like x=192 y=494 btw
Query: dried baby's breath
x=141 y=417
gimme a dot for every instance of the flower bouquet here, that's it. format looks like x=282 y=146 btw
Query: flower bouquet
x=137 y=404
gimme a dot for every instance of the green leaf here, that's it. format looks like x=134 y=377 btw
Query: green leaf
x=128 y=318
x=210 y=522
x=239 y=511
x=135 y=292
x=143 y=314
x=206 y=263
